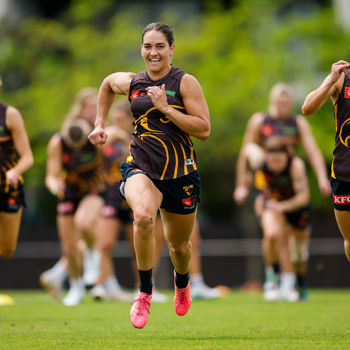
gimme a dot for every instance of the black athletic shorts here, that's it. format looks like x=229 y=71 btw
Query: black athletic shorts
x=180 y=196
x=115 y=206
x=340 y=194
x=300 y=218
x=12 y=201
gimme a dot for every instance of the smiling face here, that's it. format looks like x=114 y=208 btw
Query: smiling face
x=157 y=54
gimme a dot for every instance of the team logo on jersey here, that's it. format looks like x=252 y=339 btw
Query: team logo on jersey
x=189 y=161
x=341 y=199
x=267 y=130
x=136 y=93
x=344 y=133
x=347 y=92
x=188 y=189
x=66 y=158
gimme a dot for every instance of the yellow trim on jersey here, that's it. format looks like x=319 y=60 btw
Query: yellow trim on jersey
x=332 y=169
x=192 y=157
x=260 y=180
x=130 y=158
x=176 y=161
x=5 y=138
x=166 y=151
x=336 y=116
x=345 y=142
x=185 y=166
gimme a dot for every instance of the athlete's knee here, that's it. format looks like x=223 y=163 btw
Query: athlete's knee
x=300 y=251
x=7 y=252
x=83 y=224
x=180 y=248
x=144 y=221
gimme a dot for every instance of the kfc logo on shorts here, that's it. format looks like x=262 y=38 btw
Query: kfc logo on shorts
x=189 y=202
x=12 y=202
x=341 y=200
x=347 y=92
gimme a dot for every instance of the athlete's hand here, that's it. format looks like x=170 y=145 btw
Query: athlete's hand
x=12 y=177
x=158 y=97
x=325 y=187
x=240 y=194
x=272 y=204
x=337 y=69
x=98 y=136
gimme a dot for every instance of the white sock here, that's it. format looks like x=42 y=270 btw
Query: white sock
x=269 y=273
x=59 y=272
x=288 y=280
x=196 y=279
x=111 y=284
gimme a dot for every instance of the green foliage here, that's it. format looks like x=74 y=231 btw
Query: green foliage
x=237 y=55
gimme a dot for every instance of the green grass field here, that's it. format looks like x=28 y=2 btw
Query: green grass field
x=238 y=321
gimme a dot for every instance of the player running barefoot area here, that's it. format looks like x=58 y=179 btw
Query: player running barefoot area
x=161 y=170
x=337 y=87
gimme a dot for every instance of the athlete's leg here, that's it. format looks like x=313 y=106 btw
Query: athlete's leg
x=9 y=229
x=198 y=287
x=299 y=246
x=86 y=217
x=144 y=199
x=107 y=235
x=177 y=231
x=343 y=221
x=70 y=236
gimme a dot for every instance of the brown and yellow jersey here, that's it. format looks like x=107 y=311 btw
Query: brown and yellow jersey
x=8 y=153
x=158 y=146
x=276 y=186
x=113 y=155
x=341 y=153
x=81 y=169
x=287 y=128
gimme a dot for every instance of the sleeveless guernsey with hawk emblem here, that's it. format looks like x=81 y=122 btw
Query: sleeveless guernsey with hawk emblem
x=8 y=154
x=341 y=153
x=158 y=146
x=288 y=128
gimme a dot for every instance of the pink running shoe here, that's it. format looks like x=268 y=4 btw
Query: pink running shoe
x=140 y=310
x=182 y=299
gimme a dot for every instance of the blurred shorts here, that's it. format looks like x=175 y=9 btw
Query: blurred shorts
x=12 y=201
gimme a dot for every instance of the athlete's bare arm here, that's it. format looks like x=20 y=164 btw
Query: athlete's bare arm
x=15 y=124
x=197 y=120
x=243 y=178
x=314 y=155
x=300 y=186
x=53 y=181
x=254 y=155
x=330 y=87
x=116 y=83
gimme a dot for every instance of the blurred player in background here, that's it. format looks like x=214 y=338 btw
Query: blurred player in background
x=336 y=86
x=15 y=158
x=73 y=175
x=283 y=209
x=294 y=129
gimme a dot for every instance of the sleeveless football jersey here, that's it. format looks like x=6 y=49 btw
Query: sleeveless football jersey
x=113 y=155
x=82 y=168
x=8 y=153
x=341 y=153
x=276 y=186
x=158 y=146
x=288 y=128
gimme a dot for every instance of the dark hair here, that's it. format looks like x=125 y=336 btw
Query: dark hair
x=160 y=27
